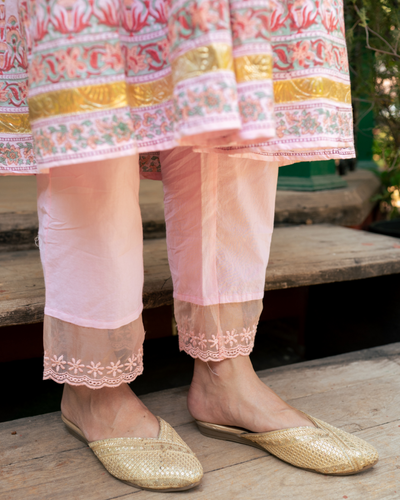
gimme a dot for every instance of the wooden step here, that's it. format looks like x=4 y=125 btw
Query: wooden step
x=300 y=256
x=358 y=392
x=19 y=221
x=347 y=207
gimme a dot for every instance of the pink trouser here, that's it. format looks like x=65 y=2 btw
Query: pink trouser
x=219 y=215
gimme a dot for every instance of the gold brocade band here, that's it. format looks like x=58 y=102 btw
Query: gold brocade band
x=119 y=95
x=15 y=123
x=302 y=89
x=151 y=93
x=78 y=100
x=253 y=67
x=196 y=62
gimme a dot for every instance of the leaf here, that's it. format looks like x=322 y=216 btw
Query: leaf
x=154 y=55
x=281 y=55
x=182 y=20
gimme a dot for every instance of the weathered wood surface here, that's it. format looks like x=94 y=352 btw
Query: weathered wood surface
x=323 y=253
x=358 y=392
x=300 y=256
x=21 y=288
x=348 y=206
x=19 y=221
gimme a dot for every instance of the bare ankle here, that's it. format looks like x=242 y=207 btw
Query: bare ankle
x=108 y=412
x=224 y=370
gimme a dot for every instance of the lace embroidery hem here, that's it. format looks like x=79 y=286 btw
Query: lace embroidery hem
x=57 y=369
x=222 y=346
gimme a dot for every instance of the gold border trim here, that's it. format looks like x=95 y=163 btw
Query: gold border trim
x=151 y=93
x=205 y=59
x=303 y=89
x=119 y=94
x=253 y=67
x=15 y=123
x=78 y=100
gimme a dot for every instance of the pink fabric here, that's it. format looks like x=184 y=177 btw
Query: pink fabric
x=90 y=238
x=219 y=331
x=219 y=215
x=90 y=356
x=258 y=77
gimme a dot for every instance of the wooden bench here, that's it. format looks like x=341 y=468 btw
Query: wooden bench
x=358 y=392
x=300 y=256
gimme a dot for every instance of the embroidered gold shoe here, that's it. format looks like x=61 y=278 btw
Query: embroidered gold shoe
x=323 y=448
x=165 y=463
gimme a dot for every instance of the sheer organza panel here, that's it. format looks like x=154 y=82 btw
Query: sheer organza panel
x=96 y=358
x=217 y=332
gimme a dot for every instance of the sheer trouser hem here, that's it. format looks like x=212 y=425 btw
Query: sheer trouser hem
x=95 y=358
x=217 y=332
x=221 y=354
x=66 y=378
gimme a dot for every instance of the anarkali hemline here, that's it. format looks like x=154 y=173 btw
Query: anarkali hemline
x=108 y=79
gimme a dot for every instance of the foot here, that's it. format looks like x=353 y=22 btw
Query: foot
x=108 y=412
x=229 y=392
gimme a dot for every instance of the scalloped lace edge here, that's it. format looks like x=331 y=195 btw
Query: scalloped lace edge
x=57 y=369
x=66 y=378
x=225 y=346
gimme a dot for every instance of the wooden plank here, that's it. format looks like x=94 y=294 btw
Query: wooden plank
x=294 y=383
x=19 y=221
x=302 y=379
x=315 y=254
x=42 y=461
x=21 y=288
x=300 y=256
x=268 y=478
x=17 y=194
x=348 y=206
x=230 y=471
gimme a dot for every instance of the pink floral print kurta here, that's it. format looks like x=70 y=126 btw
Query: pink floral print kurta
x=85 y=80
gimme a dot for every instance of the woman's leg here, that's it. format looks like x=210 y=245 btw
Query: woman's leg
x=219 y=216
x=90 y=237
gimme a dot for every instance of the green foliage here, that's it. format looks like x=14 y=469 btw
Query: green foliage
x=373 y=38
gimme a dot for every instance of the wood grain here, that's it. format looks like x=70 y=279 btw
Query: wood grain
x=357 y=392
x=348 y=206
x=300 y=256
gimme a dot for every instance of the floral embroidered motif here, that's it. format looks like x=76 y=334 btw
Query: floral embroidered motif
x=246 y=335
x=114 y=368
x=58 y=363
x=218 y=347
x=93 y=374
x=16 y=142
x=132 y=363
x=314 y=121
x=86 y=45
x=95 y=369
x=230 y=338
x=76 y=366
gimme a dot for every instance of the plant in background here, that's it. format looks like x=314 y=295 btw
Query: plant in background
x=373 y=37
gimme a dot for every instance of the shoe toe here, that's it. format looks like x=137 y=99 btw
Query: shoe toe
x=361 y=455
x=323 y=448
x=166 y=463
